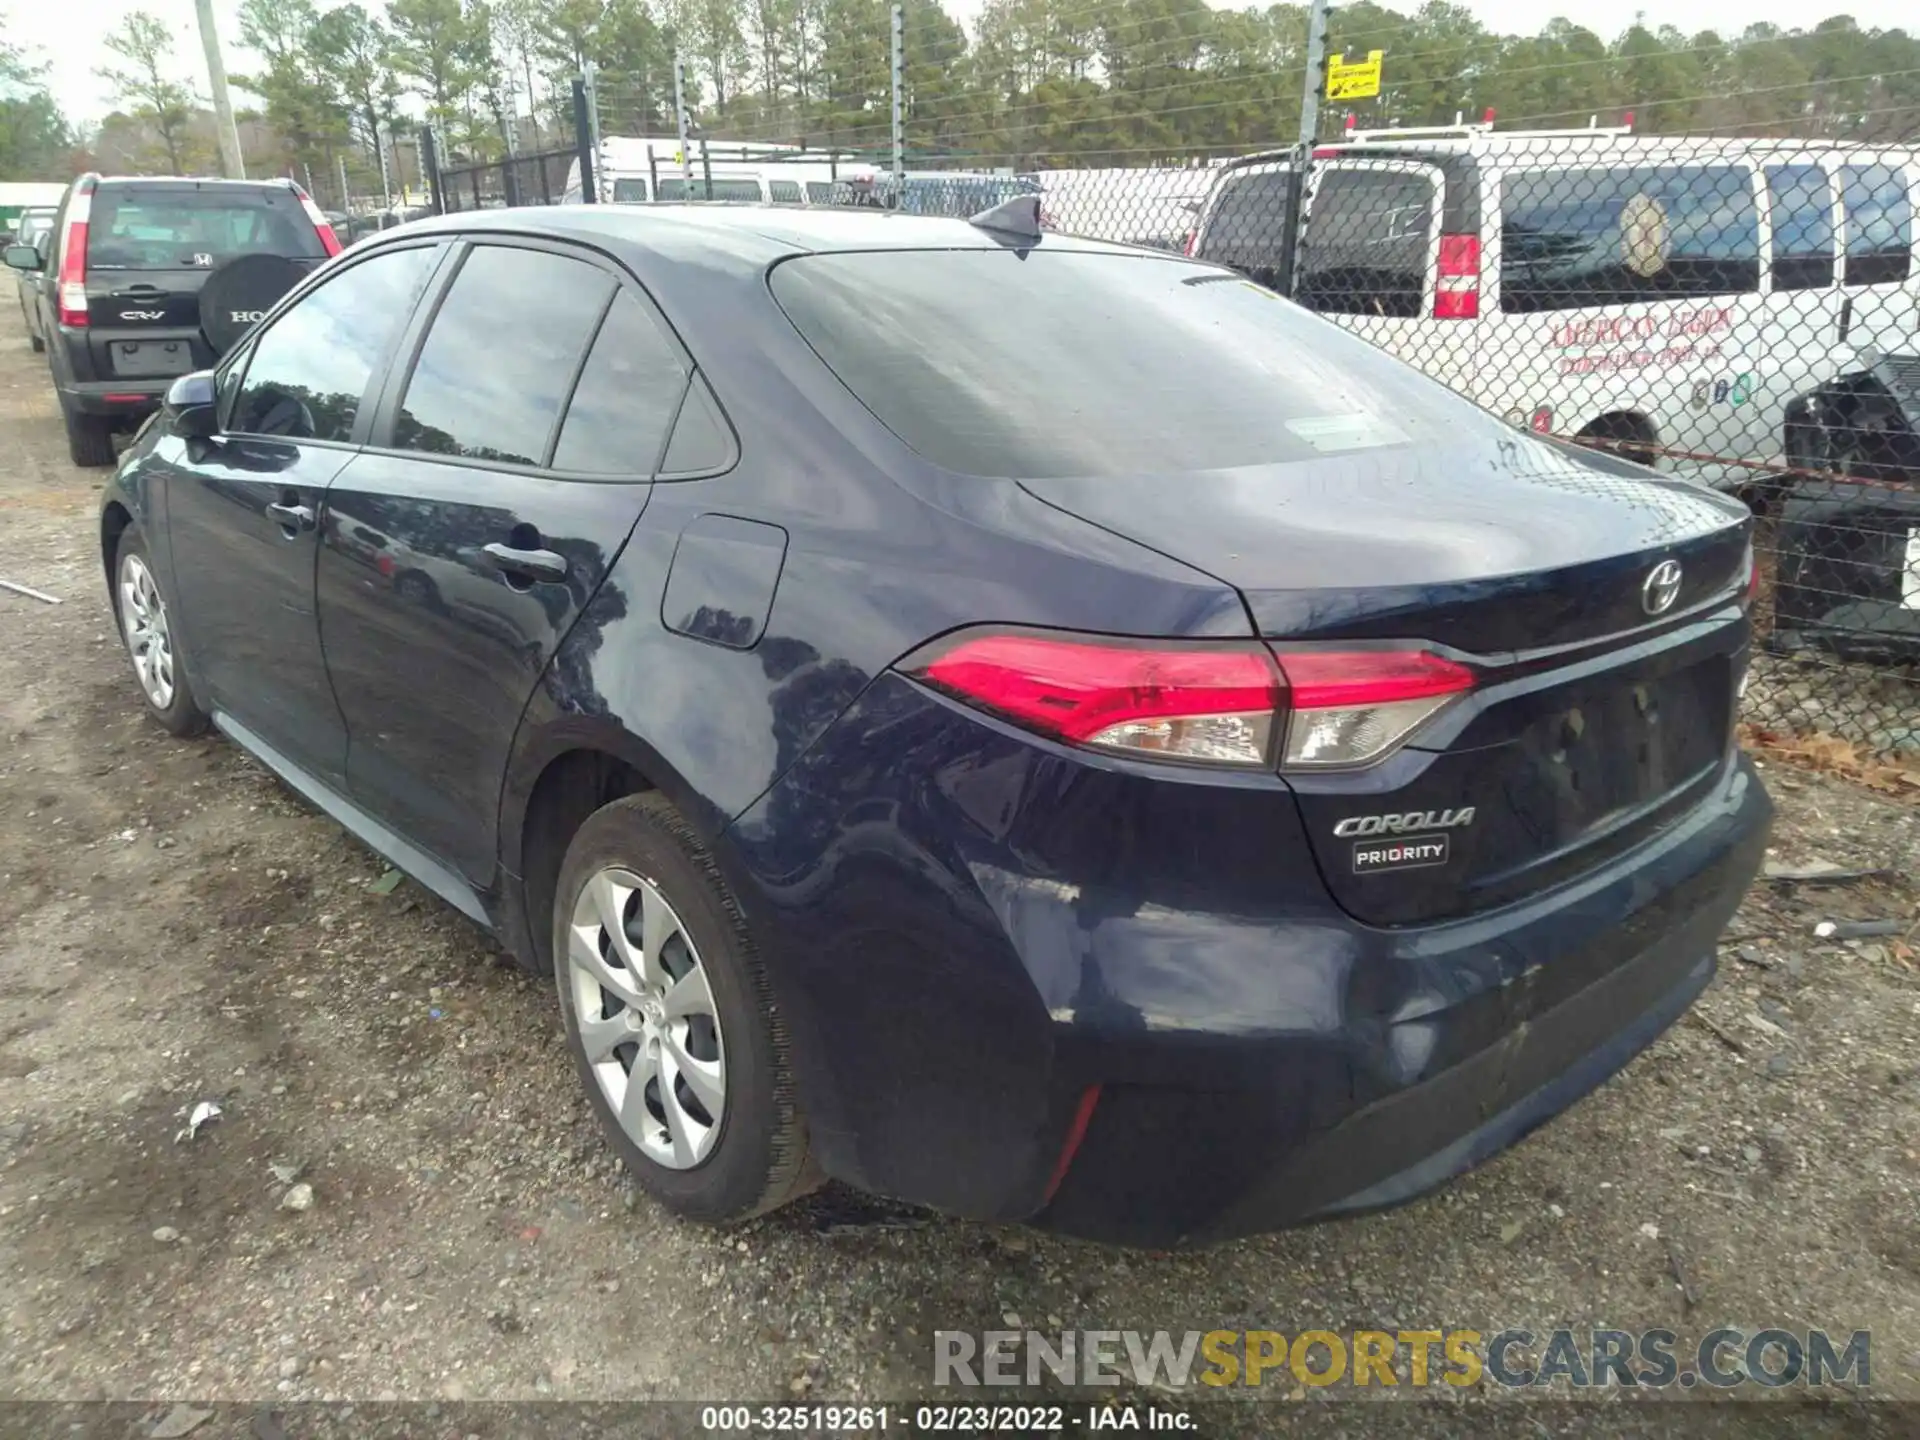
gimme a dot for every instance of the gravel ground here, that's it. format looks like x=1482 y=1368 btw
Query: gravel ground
x=176 y=928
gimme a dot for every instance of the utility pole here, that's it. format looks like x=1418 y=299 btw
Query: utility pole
x=899 y=112
x=1303 y=151
x=230 y=161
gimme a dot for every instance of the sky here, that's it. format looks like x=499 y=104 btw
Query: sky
x=64 y=33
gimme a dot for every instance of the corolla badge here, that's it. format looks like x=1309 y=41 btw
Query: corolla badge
x=1404 y=822
x=1661 y=588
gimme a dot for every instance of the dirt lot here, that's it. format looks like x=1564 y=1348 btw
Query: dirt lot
x=174 y=927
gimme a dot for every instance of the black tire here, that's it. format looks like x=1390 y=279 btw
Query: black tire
x=182 y=715
x=759 y=1160
x=89 y=439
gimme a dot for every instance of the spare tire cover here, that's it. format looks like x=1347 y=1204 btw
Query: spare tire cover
x=239 y=293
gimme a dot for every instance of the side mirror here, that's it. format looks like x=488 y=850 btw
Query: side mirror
x=25 y=257
x=193 y=402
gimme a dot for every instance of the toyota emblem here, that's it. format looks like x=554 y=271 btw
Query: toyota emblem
x=1661 y=588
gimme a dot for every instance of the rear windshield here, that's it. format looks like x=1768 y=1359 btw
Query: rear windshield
x=1367 y=242
x=1571 y=238
x=187 y=229
x=1064 y=363
x=678 y=189
x=1248 y=223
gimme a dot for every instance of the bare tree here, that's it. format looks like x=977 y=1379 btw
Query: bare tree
x=146 y=84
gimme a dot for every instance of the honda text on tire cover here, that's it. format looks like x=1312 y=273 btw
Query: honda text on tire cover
x=913 y=759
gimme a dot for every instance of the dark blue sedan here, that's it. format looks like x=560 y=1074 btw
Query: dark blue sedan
x=1038 y=728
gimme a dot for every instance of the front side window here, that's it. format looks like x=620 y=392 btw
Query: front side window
x=1879 y=224
x=1802 y=201
x=784 y=192
x=501 y=355
x=1572 y=238
x=723 y=189
x=309 y=371
x=629 y=192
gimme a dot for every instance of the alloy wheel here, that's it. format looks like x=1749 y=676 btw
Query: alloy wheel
x=143 y=615
x=647 y=1020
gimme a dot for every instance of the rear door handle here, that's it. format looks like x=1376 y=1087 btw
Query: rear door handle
x=291 y=517
x=1846 y=316
x=528 y=564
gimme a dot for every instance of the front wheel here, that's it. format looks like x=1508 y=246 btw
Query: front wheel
x=146 y=625
x=671 y=1017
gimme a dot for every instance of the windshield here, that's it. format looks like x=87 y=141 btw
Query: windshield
x=1071 y=363
x=182 y=229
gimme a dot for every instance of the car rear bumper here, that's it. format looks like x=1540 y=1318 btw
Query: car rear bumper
x=1124 y=1008
x=129 y=399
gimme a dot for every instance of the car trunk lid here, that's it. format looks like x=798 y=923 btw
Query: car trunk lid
x=1600 y=608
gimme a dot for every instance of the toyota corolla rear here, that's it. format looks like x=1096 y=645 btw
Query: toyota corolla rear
x=1172 y=927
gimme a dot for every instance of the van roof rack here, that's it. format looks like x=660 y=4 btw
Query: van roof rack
x=1476 y=131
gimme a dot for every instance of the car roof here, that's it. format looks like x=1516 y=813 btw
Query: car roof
x=191 y=182
x=748 y=235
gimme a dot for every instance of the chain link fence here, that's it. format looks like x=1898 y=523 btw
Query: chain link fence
x=1738 y=308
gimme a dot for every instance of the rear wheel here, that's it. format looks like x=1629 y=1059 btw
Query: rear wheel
x=146 y=626
x=671 y=1018
x=89 y=439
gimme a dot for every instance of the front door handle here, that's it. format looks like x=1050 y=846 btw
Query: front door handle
x=527 y=564
x=290 y=516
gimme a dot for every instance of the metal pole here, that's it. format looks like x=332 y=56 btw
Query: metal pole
x=706 y=166
x=429 y=153
x=591 y=75
x=680 y=122
x=899 y=113
x=386 y=178
x=231 y=163
x=583 y=141
x=1303 y=151
x=342 y=160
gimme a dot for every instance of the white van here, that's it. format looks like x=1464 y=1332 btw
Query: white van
x=1670 y=295
x=636 y=170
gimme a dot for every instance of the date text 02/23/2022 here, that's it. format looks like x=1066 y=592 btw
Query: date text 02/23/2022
x=960 y=1419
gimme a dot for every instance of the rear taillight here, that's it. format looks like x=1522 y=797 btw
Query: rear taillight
x=1192 y=244
x=70 y=287
x=1353 y=707
x=1212 y=704
x=329 y=242
x=1207 y=704
x=1456 y=294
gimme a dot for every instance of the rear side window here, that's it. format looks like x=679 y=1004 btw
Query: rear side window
x=784 y=192
x=629 y=192
x=1070 y=363
x=1879 y=224
x=735 y=189
x=617 y=421
x=819 y=192
x=310 y=369
x=1571 y=238
x=702 y=440
x=194 y=229
x=1801 y=197
x=503 y=349
x=1367 y=241
x=1248 y=223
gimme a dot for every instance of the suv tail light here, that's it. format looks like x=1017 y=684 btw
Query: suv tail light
x=329 y=242
x=1456 y=294
x=70 y=286
x=1208 y=704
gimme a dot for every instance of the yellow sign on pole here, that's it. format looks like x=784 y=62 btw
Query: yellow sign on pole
x=1357 y=81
